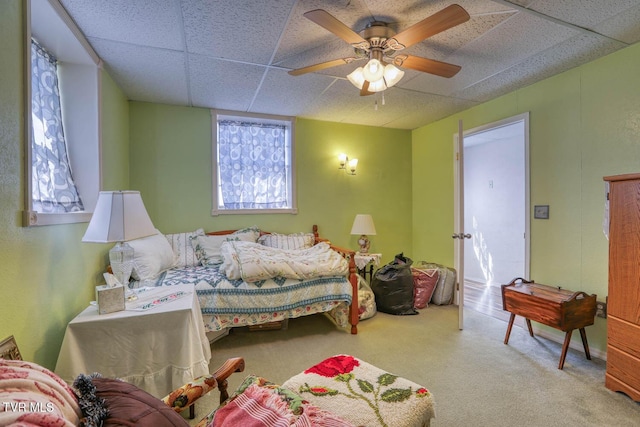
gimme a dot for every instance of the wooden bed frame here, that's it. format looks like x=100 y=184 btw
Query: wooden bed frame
x=348 y=254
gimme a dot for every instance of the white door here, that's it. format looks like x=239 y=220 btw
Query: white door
x=494 y=222
x=458 y=234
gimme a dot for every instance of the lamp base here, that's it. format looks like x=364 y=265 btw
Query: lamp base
x=364 y=243
x=121 y=259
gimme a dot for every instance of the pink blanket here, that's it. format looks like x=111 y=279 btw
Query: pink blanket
x=31 y=395
x=264 y=407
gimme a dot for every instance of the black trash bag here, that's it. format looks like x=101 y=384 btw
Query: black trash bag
x=392 y=286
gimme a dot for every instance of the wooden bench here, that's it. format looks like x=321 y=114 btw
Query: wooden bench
x=552 y=306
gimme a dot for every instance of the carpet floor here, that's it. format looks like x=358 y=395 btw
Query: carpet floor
x=476 y=380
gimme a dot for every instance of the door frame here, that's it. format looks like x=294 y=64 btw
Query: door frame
x=458 y=186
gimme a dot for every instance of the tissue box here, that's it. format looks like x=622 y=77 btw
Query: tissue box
x=110 y=298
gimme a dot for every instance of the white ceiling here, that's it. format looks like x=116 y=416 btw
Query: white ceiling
x=235 y=54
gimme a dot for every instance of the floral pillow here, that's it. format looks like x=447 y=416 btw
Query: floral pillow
x=288 y=241
x=181 y=244
x=207 y=247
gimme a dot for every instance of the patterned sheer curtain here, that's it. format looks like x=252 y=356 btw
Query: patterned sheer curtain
x=253 y=165
x=53 y=189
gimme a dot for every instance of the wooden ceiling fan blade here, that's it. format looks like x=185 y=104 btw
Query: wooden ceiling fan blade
x=365 y=89
x=447 y=18
x=332 y=24
x=425 y=65
x=322 y=66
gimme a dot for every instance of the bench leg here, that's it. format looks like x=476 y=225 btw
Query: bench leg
x=529 y=326
x=565 y=347
x=585 y=344
x=506 y=337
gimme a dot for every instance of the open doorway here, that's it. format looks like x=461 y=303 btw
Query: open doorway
x=496 y=205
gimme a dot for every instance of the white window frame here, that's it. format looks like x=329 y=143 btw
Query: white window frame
x=289 y=122
x=79 y=77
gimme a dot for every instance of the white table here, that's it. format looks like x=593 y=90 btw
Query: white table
x=364 y=260
x=158 y=349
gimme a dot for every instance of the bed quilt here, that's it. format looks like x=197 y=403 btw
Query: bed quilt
x=254 y=262
x=219 y=295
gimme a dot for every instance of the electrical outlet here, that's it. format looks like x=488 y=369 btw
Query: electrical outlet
x=601 y=309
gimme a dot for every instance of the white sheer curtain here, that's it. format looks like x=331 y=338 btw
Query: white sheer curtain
x=253 y=165
x=53 y=189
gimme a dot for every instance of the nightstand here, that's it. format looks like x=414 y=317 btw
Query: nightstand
x=158 y=349
x=364 y=261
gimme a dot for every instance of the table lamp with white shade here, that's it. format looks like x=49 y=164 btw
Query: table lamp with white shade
x=363 y=225
x=119 y=216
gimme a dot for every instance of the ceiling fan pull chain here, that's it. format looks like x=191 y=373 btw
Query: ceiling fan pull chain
x=375 y=104
x=382 y=98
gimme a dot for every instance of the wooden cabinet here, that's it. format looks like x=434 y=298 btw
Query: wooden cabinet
x=623 y=311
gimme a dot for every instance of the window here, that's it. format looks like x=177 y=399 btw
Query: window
x=52 y=186
x=69 y=155
x=253 y=164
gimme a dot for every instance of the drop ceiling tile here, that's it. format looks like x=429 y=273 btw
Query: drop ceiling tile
x=247 y=31
x=407 y=109
x=583 y=13
x=623 y=27
x=562 y=57
x=156 y=23
x=500 y=49
x=287 y=94
x=241 y=51
x=145 y=73
x=222 y=84
x=337 y=102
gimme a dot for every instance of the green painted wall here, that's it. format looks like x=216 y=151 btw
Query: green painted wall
x=47 y=276
x=171 y=151
x=584 y=124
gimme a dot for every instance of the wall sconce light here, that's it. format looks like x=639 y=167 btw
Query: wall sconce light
x=349 y=165
x=353 y=164
x=342 y=158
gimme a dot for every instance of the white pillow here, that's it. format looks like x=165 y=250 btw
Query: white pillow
x=151 y=256
x=288 y=241
x=182 y=248
x=207 y=247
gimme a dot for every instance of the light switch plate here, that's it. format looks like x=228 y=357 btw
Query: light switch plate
x=541 y=211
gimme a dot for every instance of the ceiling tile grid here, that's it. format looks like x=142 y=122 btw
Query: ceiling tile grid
x=223 y=84
x=236 y=54
x=245 y=30
x=154 y=23
x=557 y=59
x=143 y=73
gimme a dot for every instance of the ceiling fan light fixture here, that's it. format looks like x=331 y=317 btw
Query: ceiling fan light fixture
x=357 y=77
x=377 y=86
x=373 y=71
x=392 y=74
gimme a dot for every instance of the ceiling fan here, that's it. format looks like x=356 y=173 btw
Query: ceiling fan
x=379 y=43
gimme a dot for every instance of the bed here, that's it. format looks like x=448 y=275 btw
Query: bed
x=250 y=277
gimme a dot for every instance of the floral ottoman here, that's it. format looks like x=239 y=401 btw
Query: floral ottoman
x=364 y=394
